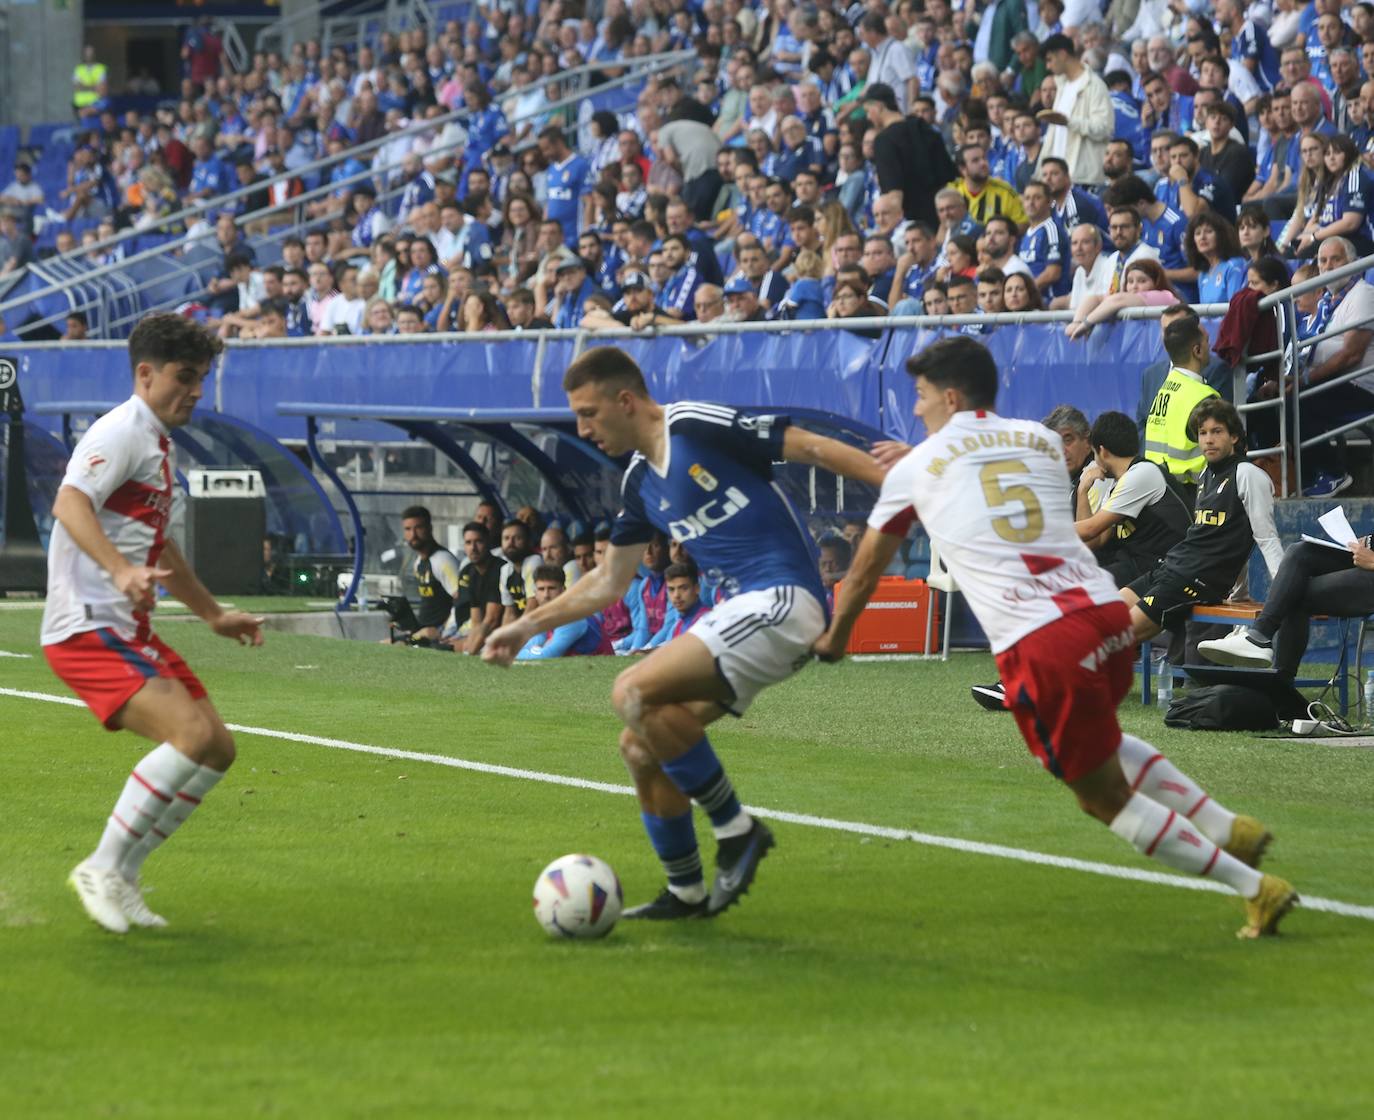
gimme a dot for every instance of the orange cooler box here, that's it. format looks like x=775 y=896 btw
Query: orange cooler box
x=895 y=619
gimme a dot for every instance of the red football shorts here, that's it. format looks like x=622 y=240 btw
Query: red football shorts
x=106 y=670
x=1063 y=683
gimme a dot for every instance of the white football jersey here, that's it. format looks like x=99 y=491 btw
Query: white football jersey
x=994 y=496
x=123 y=465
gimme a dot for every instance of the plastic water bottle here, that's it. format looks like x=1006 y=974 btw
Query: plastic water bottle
x=1164 y=685
x=1369 y=696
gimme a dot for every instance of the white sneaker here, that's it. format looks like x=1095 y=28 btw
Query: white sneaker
x=101 y=892
x=135 y=909
x=1237 y=649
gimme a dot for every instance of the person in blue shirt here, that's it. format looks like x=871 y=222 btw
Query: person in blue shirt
x=419 y=185
x=916 y=268
x=685 y=605
x=1126 y=114
x=571 y=291
x=1163 y=109
x=1071 y=204
x=703 y=474
x=567 y=180
x=1188 y=189
x=1045 y=244
x=1345 y=190
x=486 y=124
x=1250 y=45
x=683 y=281
x=372 y=221
x=599 y=266
x=424 y=261
x=1214 y=250
x=209 y=174
x=1162 y=228
x=580 y=638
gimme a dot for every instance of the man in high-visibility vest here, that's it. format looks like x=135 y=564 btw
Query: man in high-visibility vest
x=1167 y=441
x=89 y=81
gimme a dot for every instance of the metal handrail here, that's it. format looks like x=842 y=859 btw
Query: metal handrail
x=324 y=190
x=639 y=67
x=1293 y=348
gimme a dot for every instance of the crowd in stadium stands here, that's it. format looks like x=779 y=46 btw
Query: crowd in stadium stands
x=813 y=161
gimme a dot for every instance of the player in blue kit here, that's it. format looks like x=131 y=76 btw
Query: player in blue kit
x=703 y=473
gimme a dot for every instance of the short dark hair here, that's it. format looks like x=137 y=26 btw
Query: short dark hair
x=1181 y=336
x=1220 y=409
x=609 y=368
x=1058 y=42
x=685 y=570
x=961 y=363
x=417 y=513
x=1128 y=191
x=166 y=337
x=551 y=573
x=514 y=523
x=801 y=214
x=1117 y=433
x=475 y=527
x=1054 y=159
x=1012 y=228
x=1272 y=271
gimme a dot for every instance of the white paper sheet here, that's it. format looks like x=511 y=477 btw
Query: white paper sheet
x=1337 y=526
x=1324 y=543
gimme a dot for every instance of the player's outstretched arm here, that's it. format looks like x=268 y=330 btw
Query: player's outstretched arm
x=596 y=591
x=76 y=512
x=182 y=582
x=876 y=551
x=801 y=446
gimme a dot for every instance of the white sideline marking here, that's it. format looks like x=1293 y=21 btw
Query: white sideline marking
x=857 y=828
x=22 y=656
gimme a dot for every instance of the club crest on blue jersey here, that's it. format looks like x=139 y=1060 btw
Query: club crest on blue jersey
x=702 y=477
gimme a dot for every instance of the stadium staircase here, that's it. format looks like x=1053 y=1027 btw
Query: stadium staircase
x=346 y=23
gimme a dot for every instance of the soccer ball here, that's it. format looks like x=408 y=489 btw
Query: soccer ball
x=577 y=896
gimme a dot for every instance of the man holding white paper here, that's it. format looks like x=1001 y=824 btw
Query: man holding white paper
x=1333 y=577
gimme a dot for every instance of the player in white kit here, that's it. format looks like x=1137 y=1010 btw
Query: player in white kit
x=993 y=495
x=109 y=551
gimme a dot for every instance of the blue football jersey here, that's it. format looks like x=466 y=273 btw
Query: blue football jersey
x=717 y=496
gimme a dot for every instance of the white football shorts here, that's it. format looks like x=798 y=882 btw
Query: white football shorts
x=760 y=638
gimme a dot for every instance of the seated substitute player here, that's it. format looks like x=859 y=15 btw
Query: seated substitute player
x=582 y=637
x=685 y=607
x=108 y=552
x=1234 y=512
x=479 y=599
x=436 y=574
x=702 y=473
x=990 y=492
x=1144 y=515
x=515 y=549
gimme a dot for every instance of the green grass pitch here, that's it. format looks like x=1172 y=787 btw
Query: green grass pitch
x=351 y=935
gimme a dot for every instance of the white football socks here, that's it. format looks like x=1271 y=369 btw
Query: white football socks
x=1149 y=772
x=151 y=788
x=1165 y=835
x=173 y=816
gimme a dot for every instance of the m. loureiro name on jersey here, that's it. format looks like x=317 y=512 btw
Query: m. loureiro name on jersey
x=717 y=495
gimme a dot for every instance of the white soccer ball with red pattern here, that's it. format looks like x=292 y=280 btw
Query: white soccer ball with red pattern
x=577 y=896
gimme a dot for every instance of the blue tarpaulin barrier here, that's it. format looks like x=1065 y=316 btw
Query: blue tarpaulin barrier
x=835 y=371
